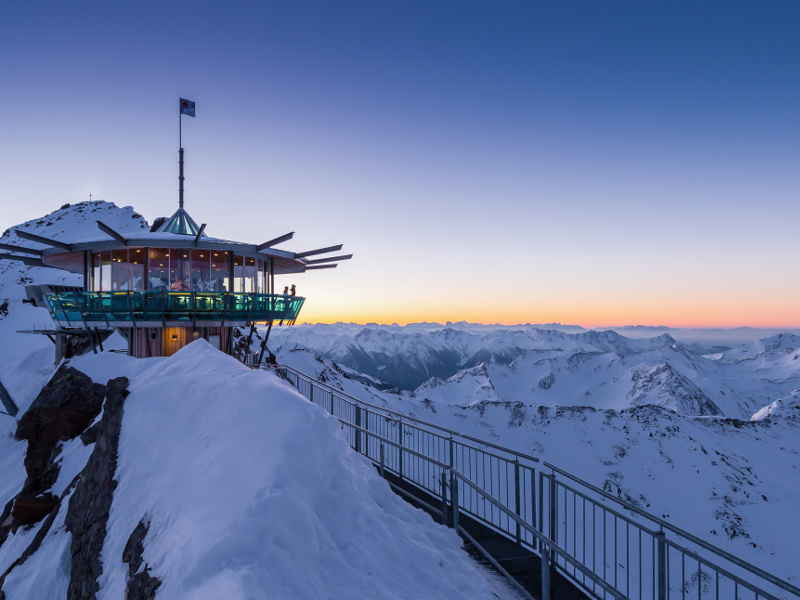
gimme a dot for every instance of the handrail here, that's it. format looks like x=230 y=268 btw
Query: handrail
x=508 y=510
x=402 y=448
x=405 y=417
x=617 y=514
x=552 y=546
x=785 y=585
x=721 y=570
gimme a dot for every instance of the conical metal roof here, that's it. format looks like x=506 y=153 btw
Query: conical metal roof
x=180 y=223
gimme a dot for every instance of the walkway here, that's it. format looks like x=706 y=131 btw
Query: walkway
x=550 y=533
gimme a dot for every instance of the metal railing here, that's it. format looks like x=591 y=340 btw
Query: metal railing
x=131 y=308
x=607 y=547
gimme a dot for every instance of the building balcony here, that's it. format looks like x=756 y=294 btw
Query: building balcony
x=126 y=309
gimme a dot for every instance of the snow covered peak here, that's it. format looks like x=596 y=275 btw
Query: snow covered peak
x=77 y=222
x=246 y=490
x=787 y=407
x=787 y=344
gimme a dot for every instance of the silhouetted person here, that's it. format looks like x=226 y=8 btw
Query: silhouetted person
x=293 y=291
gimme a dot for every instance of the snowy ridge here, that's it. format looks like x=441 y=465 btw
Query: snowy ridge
x=725 y=480
x=533 y=366
x=242 y=488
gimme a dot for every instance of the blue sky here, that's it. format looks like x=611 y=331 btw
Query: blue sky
x=596 y=163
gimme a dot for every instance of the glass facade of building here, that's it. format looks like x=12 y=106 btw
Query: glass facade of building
x=177 y=270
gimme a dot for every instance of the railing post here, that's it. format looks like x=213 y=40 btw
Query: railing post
x=553 y=530
x=541 y=508
x=454 y=498
x=383 y=460
x=452 y=456
x=517 y=499
x=311 y=392
x=661 y=554
x=358 y=431
x=400 y=449
x=533 y=501
x=444 y=497
x=545 y=572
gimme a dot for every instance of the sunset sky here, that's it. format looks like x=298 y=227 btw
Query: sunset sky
x=595 y=163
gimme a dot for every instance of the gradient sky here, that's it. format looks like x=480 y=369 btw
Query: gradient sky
x=597 y=163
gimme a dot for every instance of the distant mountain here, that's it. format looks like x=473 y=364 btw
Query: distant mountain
x=191 y=476
x=536 y=367
x=730 y=481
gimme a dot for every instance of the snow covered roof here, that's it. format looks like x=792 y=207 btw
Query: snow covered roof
x=63 y=246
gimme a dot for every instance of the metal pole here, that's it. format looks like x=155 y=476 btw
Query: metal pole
x=452 y=456
x=541 y=507
x=358 y=431
x=383 y=461
x=545 y=573
x=552 y=500
x=400 y=449
x=444 y=497
x=454 y=498
x=516 y=500
x=180 y=179
x=661 y=549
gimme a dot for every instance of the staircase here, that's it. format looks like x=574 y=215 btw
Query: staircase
x=551 y=534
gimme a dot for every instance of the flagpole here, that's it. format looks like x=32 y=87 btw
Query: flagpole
x=180 y=157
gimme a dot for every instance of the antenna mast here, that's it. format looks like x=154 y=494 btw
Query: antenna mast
x=180 y=159
x=186 y=108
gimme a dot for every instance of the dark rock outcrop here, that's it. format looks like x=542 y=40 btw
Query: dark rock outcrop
x=64 y=408
x=141 y=585
x=89 y=506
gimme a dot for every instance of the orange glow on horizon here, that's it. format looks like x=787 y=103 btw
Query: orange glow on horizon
x=697 y=320
x=779 y=315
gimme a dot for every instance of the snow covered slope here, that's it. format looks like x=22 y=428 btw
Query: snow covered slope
x=248 y=491
x=226 y=483
x=734 y=483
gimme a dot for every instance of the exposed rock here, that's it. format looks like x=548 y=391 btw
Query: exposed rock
x=28 y=511
x=545 y=383
x=141 y=585
x=90 y=504
x=39 y=537
x=64 y=408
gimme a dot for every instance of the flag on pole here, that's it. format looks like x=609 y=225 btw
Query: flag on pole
x=187 y=107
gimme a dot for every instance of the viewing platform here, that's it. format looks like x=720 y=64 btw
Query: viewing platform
x=130 y=309
x=165 y=287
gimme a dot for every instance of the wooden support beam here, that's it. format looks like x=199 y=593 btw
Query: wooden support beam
x=274 y=242
x=107 y=230
x=330 y=259
x=320 y=251
x=42 y=240
x=14 y=248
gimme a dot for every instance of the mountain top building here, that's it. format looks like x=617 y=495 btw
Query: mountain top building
x=163 y=288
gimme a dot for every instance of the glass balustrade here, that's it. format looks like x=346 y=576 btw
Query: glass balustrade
x=128 y=307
